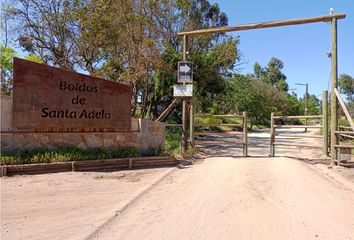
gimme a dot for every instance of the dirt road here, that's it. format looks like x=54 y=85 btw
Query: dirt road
x=222 y=197
x=230 y=198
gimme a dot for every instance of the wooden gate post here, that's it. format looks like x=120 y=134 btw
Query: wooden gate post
x=185 y=108
x=245 y=134
x=325 y=122
x=272 y=135
x=191 y=123
x=334 y=85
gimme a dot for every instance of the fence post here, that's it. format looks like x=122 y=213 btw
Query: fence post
x=245 y=133
x=3 y=171
x=325 y=122
x=272 y=135
x=334 y=85
x=185 y=107
x=191 y=124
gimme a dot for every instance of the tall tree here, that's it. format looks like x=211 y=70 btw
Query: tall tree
x=346 y=86
x=313 y=105
x=6 y=66
x=258 y=98
x=272 y=74
x=49 y=29
x=130 y=41
x=146 y=51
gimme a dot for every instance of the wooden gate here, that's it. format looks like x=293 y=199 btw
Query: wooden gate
x=281 y=122
x=344 y=144
x=275 y=124
x=202 y=134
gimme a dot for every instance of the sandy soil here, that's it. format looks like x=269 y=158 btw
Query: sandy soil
x=292 y=196
x=68 y=205
x=233 y=198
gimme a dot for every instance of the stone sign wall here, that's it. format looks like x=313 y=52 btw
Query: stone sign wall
x=146 y=136
x=48 y=99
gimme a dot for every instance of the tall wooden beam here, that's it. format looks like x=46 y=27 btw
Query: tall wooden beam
x=344 y=108
x=185 y=108
x=325 y=122
x=277 y=23
x=167 y=110
x=334 y=85
x=191 y=121
x=245 y=134
x=272 y=135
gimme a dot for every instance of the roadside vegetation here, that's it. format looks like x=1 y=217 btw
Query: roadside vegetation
x=173 y=141
x=64 y=155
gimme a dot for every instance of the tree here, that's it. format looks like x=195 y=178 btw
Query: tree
x=258 y=98
x=313 y=105
x=6 y=68
x=34 y=58
x=6 y=26
x=242 y=96
x=49 y=29
x=294 y=107
x=146 y=51
x=346 y=86
x=131 y=41
x=272 y=74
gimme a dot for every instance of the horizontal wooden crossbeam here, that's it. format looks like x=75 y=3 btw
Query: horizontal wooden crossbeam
x=297 y=135
x=344 y=146
x=347 y=136
x=216 y=134
x=297 y=126
x=173 y=125
x=277 y=23
x=216 y=125
x=199 y=142
x=218 y=116
x=344 y=132
x=297 y=117
x=345 y=127
x=298 y=145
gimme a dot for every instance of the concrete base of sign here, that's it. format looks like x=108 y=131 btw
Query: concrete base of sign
x=146 y=136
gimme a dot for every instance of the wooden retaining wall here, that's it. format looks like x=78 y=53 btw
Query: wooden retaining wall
x=89 y=165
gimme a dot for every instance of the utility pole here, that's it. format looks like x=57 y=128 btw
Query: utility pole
x=305 y=99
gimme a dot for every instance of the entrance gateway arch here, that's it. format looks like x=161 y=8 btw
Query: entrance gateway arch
x=188 y=107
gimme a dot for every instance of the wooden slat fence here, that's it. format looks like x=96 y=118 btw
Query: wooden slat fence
x=243 y=134
x=345 y=134
x=274 y=133
x=323 y=118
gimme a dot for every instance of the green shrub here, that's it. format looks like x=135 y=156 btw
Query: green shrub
x=63 y=155
x=343 y=122
x=172 y=141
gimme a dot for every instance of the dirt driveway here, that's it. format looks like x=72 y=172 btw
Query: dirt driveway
x=220 y=197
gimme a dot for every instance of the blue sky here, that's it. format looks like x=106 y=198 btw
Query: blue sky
x=302 y=48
